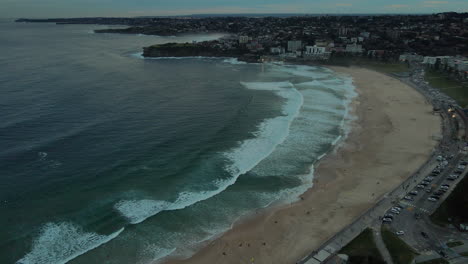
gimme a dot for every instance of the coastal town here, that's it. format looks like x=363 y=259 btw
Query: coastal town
x=437 y=39
x=417 y=219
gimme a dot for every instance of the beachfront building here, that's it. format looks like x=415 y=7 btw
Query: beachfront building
x=316 y=52
x=243 y=39
x=277 y=50
x=354 y=48
x=294 y=45
x=409 y=57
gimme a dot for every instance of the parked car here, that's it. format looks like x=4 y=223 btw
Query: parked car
x=400 y=233
x=413 y=192
x=445 y=185
x=424 y=234
x=432 y=199
x=420 y=186
x=395 y=211
x=388 y=216
x=388 y=220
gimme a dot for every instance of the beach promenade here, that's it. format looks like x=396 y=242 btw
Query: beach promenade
x=372 y=217
x=395 y=133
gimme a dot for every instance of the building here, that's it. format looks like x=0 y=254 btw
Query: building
x=294 y=45
x=354 y=48
x=316 y=52
x=343 y=31
x=411 y=57
x=243 y=39
x=312 y=50
x=277 y=50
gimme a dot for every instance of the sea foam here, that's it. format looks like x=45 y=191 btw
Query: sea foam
x=243 y=158
x=59 y=243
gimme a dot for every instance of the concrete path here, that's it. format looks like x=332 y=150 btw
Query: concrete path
x=381 y=246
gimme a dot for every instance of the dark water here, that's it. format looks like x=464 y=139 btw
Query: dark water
x=109 y=158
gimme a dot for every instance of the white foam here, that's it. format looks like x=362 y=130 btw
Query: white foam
x=136 y=211
x=270 y=133
x=234 y=61
x=59 y=243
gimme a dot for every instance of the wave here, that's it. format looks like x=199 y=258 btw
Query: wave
x=270 y=133
x=234 y=61
x=59 y=243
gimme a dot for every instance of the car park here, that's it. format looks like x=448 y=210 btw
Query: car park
x=409 y=198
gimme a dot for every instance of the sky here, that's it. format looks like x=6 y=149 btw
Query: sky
x=87 y=8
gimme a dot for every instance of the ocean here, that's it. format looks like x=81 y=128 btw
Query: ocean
x=107 y=157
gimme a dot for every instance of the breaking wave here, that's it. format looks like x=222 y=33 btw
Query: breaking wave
x=59 y=243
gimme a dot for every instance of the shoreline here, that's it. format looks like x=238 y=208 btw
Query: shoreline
x=287 y=233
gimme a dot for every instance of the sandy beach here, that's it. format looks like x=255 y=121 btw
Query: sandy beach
x=393 y=135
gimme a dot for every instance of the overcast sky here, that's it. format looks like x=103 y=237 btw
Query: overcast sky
x=75 y=8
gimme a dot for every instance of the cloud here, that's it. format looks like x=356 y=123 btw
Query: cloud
x=435 y=2
x=396 y=6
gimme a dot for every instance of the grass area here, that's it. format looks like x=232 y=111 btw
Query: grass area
x=455 y=89
x=401 y=253
x=454 y=244
x=454 y=207
x=380 y=66
x=362 y=250
x=435 y=261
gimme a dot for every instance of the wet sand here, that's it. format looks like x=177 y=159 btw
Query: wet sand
x=393 y=135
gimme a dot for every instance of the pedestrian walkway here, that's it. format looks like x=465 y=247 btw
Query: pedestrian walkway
x=381 y=246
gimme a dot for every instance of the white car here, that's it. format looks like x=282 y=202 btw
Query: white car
x=389 y=220
x=409 y=198
x=400 y=233
x=395 y=211
x=413 y=192
x=432 y=199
